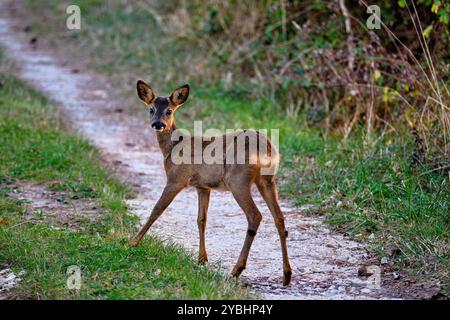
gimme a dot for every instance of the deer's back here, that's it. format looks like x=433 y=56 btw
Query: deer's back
x=243 y=153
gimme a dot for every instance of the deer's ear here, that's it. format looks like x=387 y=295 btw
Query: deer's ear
x=144 y=92
x=180 y=95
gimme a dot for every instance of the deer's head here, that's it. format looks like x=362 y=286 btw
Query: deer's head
x=161 y=108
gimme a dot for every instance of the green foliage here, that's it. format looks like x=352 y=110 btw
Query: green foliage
x=438 y=7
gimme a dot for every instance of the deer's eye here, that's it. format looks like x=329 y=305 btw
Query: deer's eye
x=152 y=111
x=168 y=112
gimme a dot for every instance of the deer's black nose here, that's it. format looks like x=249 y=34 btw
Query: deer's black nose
x=158 y=125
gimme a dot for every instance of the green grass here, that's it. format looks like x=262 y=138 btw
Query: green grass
x=361 y=188
x=35 y=148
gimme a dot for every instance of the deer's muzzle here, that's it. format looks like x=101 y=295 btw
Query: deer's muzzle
x=158 y=125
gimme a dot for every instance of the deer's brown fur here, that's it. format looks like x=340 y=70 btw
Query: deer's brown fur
x=233 y=177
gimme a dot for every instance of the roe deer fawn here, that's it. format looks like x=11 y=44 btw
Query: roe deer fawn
x=235 y=177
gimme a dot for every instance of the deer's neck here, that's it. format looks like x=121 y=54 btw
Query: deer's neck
x=165 y=141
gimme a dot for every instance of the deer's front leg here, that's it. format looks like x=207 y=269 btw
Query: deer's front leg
x=169 y=193
x=203 y=202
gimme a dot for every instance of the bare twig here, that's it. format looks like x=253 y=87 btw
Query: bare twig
x=348 y=29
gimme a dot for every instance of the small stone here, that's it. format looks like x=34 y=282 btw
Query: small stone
x=100 y=93
x=304 y=226
x=384 y=260
x=371 y=237
x=396 y=276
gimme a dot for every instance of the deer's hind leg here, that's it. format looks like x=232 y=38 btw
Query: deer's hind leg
x=203 y=202
x=242 y=195
x=267 y=187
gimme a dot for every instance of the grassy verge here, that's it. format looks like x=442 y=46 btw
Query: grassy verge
x=367 y=189
x=34 y=147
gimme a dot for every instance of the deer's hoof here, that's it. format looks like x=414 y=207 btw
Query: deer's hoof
x=237 y=270
x=202 y=259
x=287 y=278
x=133 y=243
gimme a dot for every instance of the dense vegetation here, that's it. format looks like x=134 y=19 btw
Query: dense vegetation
x=363 y=114
x=319 y=58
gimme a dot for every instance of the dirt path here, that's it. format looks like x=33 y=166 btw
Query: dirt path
x=325 y=264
